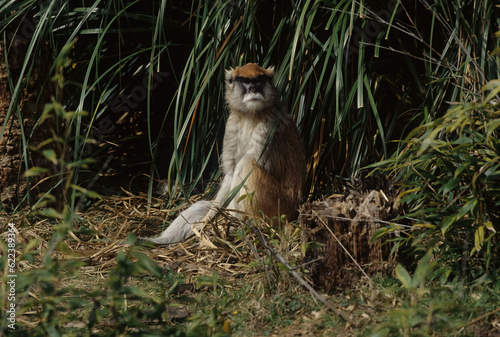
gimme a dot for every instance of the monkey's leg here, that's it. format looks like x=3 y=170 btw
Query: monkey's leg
x=267 y=194
x=181 y=227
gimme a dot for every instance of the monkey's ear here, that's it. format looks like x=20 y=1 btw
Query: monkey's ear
x=229 y=75
x=270 y=71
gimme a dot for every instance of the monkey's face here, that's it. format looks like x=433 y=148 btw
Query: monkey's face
x=249 y=88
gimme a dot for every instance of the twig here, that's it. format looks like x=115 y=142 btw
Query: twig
x=303 y=282
x=474 y=321
x=373 y=219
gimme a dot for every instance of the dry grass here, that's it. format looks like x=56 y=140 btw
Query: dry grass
x=253 y=291
x=100 y=231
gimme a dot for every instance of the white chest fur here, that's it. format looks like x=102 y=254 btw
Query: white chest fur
x=250 y=138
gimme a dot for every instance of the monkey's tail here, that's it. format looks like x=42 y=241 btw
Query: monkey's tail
x=181 y=227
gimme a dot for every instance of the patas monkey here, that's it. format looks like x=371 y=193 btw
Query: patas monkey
x=262 y=149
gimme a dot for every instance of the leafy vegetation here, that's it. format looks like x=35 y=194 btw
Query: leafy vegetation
x=450 y=174
x=124 y=93
x=430 y=305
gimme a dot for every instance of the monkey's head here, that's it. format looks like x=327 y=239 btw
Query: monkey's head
x=250 y=88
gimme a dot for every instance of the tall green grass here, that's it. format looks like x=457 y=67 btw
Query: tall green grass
x=356 y=76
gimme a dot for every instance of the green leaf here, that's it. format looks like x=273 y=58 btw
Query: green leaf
x=133 y=291
x=494 y=86
x=283 y=267
x=467 y=208
x=34 y=171
x=87 y=193
x=478 y=239
x=148 y=264
x=459 y=170
x=489 y=226
x=491 y=126
x=50 y=155
x=451 y=184
x=423 y=270
x=172 y=289
x=378 y=234
x=52 y=213
x=403 y=276
x=447 y=222
x=424 y=225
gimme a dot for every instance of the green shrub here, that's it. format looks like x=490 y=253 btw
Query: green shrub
x=450 y=176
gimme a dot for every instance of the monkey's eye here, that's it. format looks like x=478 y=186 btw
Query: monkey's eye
x=244 y=80
x=255 y=81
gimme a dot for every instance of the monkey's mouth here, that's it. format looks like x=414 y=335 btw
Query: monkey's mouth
x=253 y=96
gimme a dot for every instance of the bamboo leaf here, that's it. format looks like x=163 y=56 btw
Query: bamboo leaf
x=447 y=222
x=489 y=226
x=52 y=213
x=467 y=208
x=478 y=239
x=429 y=139
x=403 y=276
x=35 y=171
x=50 y=155
x=423 y=270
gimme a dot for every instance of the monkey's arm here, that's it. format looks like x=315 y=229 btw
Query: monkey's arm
x=230 y=148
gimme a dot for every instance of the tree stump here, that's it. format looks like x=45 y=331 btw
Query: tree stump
x=344 y=227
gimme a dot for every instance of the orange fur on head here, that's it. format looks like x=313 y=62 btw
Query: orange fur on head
x=252 y=70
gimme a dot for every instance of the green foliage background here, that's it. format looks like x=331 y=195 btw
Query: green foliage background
x=356 y=76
